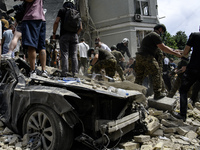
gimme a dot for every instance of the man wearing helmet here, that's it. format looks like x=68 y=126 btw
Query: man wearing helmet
x=146 y=63
x=123 y=48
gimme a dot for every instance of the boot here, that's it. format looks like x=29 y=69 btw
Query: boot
x=159 y=95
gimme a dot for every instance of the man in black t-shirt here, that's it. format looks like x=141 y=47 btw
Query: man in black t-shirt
x=146 y=63
x=68 y=41
x=192 y=73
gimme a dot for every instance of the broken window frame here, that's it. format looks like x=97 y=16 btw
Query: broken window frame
x=140 y=34
x=142 y=7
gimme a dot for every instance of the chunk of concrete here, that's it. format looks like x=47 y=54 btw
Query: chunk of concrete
x=182 y=131
x=191 y=135
x=152 y=124
x=159 y=146
x=141 y=138
x=158 y=132
x=155 y=112
x=146 y=147
x=170 y=130
x=164 y=104
x=129 y=145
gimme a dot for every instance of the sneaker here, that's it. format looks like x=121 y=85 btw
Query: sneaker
x=179 y=116
x=159 y=96
x=7 y=55
x=44 y=74
x=33 y=74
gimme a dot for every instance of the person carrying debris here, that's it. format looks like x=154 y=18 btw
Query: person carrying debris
x=191 y=75
x=102 y=60
x=146 y=63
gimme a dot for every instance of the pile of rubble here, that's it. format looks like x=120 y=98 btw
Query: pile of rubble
x=12 y=141
x=164 y=131
x=168 y=133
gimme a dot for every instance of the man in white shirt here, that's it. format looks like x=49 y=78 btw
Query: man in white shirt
x=101 y=45
x=82 y=51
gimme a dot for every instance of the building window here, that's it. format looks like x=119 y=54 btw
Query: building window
x=140 y=35
x=142 y=7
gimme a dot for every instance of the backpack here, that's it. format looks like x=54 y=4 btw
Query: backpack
x=72 y=20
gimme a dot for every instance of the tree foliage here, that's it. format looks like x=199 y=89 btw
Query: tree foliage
x=177 y=41
x=181 y=39
x=169 y=41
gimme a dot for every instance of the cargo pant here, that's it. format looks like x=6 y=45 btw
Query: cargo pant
x=109 y=65
x=120 y=72
x=160 y=58
x=148 y=65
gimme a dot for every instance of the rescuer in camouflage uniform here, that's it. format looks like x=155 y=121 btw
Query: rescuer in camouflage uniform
x=146 y=63
x=160 y=57
x=119 y=58
x=102 y=60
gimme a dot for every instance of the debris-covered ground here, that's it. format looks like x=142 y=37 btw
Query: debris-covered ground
x=163 y=131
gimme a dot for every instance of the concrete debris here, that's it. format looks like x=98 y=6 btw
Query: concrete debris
x=165 y=103
x=168 y=133
x=152 y=124
x=142 y=138
x=130 y=145
x=164 y=132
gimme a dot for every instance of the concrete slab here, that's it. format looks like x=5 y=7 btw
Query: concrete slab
x=165 y=103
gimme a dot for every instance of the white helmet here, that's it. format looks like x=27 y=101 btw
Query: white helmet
x=125 y=40
x=69 y=1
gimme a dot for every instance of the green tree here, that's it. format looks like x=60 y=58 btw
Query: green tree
x=169 y=41
x=180 y=39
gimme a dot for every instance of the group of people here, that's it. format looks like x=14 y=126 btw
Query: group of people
x=32 y=29
x=111 y=59
x=148 y=61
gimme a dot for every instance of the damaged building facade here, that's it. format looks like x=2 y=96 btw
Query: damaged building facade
x=110 y=20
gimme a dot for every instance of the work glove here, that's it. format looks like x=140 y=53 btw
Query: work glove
x=90 y=70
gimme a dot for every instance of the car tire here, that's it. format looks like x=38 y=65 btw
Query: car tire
x=46 y=129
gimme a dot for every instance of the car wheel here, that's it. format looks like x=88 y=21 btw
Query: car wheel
x=46 y=129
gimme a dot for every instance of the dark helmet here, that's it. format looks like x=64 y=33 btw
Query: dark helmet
x=160 y=26
x=89 y=52
x=113 y=47
x=68 y=4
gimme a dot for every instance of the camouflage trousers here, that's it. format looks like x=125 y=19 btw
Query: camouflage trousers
x=120 y=72
x=148 y=65
x=109 y=65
